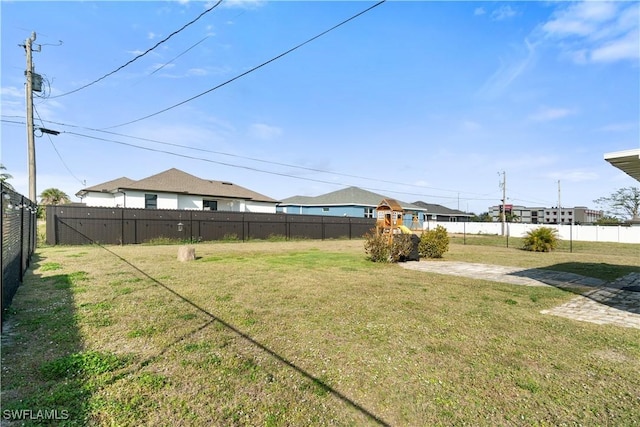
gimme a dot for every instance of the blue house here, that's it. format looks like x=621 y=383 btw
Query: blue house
x=350 y=201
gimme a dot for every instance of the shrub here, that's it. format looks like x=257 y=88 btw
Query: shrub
x=434 y=243
x=541 y=239
x=401 y=247
x=380 y=249
x=377 y=246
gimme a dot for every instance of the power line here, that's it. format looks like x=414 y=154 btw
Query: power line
x=57 y=152
x=252 y=69
x=173 y=59
x=142 y=54
x=269 y=161
x=185 y=156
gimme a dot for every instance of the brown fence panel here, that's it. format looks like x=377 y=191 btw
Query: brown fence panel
x=361 y=226
x=336 y=230
x=77 y=225
x=305 y=227
x=215 y=225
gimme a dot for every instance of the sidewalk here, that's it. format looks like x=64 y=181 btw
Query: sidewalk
x=614 y=303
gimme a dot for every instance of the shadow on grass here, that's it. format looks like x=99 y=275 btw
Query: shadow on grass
x=212 y=319
x=41 y=327
x=603 y=283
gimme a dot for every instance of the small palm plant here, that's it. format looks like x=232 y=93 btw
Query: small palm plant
x=542 y=239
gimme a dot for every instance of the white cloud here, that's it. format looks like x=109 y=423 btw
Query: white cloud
x=470 y=125
x=580 y=19
x=11 y=91
x=503 y=12
x=159 y=66
x=549 y=114
x=479 y=11
x=263 y=131
x=421 y=183
x=151 y=35
x=240 y=4
x=197 y=72
x=618 y=127
x=593 y=31
x=508 y=73
x=627 y=47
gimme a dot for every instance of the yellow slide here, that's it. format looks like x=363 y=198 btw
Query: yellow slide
x=405 y=230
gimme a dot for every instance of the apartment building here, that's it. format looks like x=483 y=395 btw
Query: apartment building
x=540 y=215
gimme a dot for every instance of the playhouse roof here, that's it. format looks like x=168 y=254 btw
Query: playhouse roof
x=391 y=204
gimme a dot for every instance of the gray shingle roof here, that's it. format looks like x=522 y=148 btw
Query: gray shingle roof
x=347 y=196
x=107 y=187
x=177 y=181
x=439 y=209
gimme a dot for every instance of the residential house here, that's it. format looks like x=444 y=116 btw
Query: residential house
x=435 y=212
x=175 y=189
x=350 y=201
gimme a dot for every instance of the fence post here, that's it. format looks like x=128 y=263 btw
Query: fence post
x=122 y=226
x=464 y=233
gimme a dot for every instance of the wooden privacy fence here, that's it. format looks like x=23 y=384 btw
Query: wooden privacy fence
x=79 y=225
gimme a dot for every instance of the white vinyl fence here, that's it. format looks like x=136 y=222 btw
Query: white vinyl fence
x=585 y=233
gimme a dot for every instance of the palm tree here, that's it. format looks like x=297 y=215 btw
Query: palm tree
x=53 y=196
x=511 y=217
x=5 y=176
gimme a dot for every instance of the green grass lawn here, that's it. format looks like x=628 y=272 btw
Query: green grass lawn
x=310 y=333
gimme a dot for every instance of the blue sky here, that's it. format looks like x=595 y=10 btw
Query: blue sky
x=415 y=100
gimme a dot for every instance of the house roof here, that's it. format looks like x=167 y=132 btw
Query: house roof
x=107 y=187
x=347 y=196
x=177 y=181
x=440 y=210
x=627 y=161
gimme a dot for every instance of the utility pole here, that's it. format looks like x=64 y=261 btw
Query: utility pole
x=503 y=215
x=31 y=148
x=559 y=205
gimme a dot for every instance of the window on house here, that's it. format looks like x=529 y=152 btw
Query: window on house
x=368 y=212
x=325 y=209
x=210 y=205
x=453 y=219
x=151 y=201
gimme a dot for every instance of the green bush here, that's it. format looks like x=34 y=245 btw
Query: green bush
x=541 y=239
x=380 y=249
x=434 y=243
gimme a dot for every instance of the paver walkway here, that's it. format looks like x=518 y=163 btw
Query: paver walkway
x=615 y=303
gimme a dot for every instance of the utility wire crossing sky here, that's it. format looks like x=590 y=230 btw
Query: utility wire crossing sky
x=426 y=101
